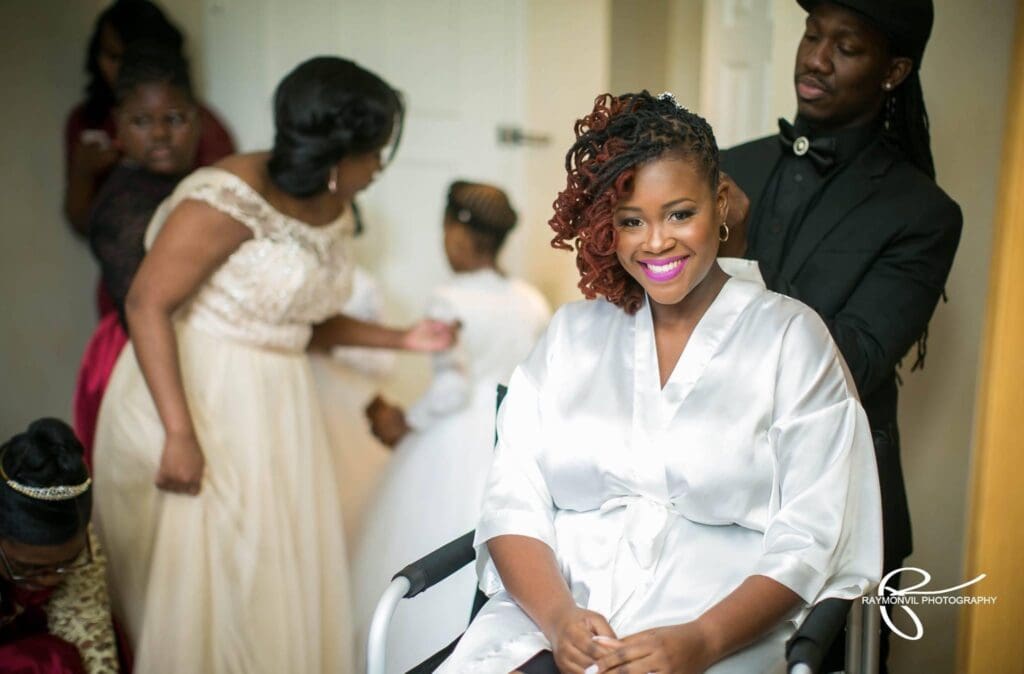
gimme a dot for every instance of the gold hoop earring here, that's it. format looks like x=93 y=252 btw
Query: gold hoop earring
x=723 y=236
x=332 y=181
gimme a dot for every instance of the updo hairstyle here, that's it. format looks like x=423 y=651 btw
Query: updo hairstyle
x=325 y=109
x=47 y=455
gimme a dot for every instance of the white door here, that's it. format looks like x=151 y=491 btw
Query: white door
x=458 y=64
x=466 y=68
x=736 y=69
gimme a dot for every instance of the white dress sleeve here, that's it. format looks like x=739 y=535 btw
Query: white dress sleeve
x=516 y=500
x=824 y=533
x=365 y=304
x=449 y=386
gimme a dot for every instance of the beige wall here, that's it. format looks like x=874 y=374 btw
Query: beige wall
x=46 y=275
x=639 y=33
x=788 y=25
x=655 y=45
x=561 y=83
x=964 y=76
x=682 y=75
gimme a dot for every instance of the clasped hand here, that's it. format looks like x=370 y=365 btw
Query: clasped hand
x=584 y=643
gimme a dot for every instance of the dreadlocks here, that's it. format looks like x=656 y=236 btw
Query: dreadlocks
x=620 y=134
x=906 y=123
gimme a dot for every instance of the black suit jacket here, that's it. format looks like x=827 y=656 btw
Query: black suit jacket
x=872 y=259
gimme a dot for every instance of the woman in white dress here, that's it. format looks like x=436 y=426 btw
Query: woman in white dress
x=683 y=466
x=432 y=489
x=234 y=560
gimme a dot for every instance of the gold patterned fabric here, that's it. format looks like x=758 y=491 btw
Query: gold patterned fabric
x=79 y=612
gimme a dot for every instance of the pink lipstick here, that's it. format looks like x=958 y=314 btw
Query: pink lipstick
x=664 y=270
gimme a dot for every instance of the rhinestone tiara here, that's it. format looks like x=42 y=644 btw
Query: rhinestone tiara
x=59 y=492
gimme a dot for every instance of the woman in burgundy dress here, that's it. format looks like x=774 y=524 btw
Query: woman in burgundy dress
x=92 y=147
x=158 y=130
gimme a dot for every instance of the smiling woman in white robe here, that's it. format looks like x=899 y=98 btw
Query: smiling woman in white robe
x=663 y=491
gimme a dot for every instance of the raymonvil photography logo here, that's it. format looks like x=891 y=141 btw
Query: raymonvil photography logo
x=909 y=597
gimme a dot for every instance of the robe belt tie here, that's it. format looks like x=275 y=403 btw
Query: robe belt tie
x=645 y=524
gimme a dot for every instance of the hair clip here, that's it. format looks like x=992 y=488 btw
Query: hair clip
x=669 y=96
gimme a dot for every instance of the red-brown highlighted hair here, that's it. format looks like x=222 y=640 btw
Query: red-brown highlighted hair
x=620 y=133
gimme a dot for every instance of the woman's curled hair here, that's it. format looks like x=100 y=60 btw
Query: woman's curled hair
x=620 y=134
x=47 y=454
x=325 y=109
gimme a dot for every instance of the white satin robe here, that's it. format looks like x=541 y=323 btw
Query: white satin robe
x=755 y=458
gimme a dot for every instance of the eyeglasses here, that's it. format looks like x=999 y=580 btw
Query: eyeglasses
x=26 y=575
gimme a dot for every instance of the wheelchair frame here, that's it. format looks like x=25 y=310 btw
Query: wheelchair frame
x=805 y=650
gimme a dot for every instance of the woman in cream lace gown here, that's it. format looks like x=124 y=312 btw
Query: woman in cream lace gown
x=234 y=560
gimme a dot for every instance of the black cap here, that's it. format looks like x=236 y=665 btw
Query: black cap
x=908 y=23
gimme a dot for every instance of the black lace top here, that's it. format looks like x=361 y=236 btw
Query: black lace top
x=117 y=225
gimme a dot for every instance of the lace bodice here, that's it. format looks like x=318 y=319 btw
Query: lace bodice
x=276 y=285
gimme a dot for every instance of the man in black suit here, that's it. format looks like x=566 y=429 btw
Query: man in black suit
x=844 y=213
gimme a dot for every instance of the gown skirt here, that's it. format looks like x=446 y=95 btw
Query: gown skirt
x=98 y=362
x=250 y=575
x=430 y=495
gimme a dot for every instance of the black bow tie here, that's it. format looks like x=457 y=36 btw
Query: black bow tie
x=821 y=151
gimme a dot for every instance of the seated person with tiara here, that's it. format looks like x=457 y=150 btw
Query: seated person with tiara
x=54 y=611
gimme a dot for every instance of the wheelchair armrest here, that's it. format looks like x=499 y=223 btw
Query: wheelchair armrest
x=811 y=641
x=431 y=569
x=422 y=574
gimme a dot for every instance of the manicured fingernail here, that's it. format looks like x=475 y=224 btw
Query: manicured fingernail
x=592 y=669
x=603 y=639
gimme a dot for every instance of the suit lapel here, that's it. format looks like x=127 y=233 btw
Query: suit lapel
x=847 y=190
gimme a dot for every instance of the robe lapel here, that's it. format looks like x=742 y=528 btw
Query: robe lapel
x=704 y=343
x=844 y=193
x=648 y=465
